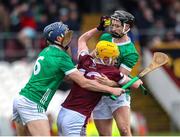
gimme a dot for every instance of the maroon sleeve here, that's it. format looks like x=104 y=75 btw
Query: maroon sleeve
x=117 y=75
x=84 y=60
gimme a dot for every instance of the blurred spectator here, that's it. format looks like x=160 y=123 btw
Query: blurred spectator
x=18 y=17
x=144 y=22
x=43 y=21
x=26 y=36
x=74 y=17
x=108 y=6
x=64 y=15
x=138 y=124
x=170 y=18
x=169 y=36
x=14 y=50
x=52 y=12
x=74 y=20
x=27 y=20
x=70 y=16
x=158 y=29
x=155 y=19
x=158 y=9
x=4 y=19
x=177 y=27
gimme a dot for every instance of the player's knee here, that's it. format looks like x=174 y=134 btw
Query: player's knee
x=125 y=131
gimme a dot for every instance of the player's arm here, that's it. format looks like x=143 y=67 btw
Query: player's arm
x=93 y=85
x=82 y=41
x=124 y=70
x=129 y=61
x=65 y=64
x=126 y=79
x=105 y=80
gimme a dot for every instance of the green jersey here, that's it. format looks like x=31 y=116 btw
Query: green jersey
x=128 y=53
x=49 y=70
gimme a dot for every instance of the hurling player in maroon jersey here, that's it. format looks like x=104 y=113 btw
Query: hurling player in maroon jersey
x=79 y=104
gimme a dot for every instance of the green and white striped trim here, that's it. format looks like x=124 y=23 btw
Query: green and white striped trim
x=126 y=67
x=45 y=96
x=40 y=109
x=122 y=43
x=70 y=71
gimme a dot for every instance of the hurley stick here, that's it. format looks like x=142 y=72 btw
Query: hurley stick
x=158 y=60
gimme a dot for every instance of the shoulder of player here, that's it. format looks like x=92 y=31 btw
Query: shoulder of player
x=57 y=52
x=129 y=45
x=85 y=57
x=57 y=56
x=105 y=36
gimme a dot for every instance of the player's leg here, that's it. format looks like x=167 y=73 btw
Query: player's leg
x=102 y=116
x=71 y=123
x=31 y=115
x=39 y=128
x=121 y=113
x=21 y=130
x=122 y=118
x=104 y=126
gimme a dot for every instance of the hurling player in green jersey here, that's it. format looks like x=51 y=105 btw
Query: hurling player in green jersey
x=50 y=68
x=106 y=110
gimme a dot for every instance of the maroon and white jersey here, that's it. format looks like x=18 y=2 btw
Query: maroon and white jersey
x=83 y=100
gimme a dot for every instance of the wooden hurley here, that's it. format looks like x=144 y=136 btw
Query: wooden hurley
x=158 y=60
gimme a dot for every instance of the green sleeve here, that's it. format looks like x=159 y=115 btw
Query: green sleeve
x=129 y=56
x=65 y=64
x=106 y=36
x=130 y=60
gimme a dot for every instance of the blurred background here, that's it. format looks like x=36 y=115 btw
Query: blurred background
x=157 y=28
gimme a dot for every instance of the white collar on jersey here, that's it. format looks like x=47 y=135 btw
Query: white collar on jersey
x=122 y=43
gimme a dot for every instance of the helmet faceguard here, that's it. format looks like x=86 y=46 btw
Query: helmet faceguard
x=55 y=30
x=106 y=52
x=67 y=38
x=123 y=19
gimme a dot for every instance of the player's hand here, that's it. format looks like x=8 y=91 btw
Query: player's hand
x=118 y=91
x=137 y=83
x=104 y=22
x=103 y=79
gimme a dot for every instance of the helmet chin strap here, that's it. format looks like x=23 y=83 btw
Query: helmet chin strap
x=60 y=45
x=124 y=26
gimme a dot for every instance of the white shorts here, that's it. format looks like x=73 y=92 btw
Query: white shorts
x=106 y=106
x=25 y=110
x=71 y=123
